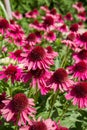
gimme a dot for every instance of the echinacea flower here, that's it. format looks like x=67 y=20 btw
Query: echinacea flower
x=31 y=39
x=11 y=72
x=79 y=70
x=38 y=79
x=50 y=36
x=32 y=14
x=78 y=93
x=37 y=57
x=4 y=25
x=81 y=40
x=68 y=16
x=17 y=15
x=63 y=28
x=59 y=80
x=82 y=16
x=2 y=97
x=16 y=55
x=49 y=22
x=78 y=6
x=70 y=40
x=47 y=124
x=81 y=55
x=52 y=53
x=74 y=27
x=36 y=25
x=18 y=109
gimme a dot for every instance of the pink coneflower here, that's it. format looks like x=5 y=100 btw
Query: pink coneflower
x=17 y=15
x=74 y=27
x=82 y=16
x=18 y=109
x=79 y=6
x=49 y=22
x=2 y=97
x=3 y=25
x=39 y=36
x=45 y=8
x=37 y=57
x=47 y=124
x=39 y=77
x=63 y=28
x=81 y=55
x=70 y=40
x=59 y=80
x=59 y=18
x=68 y=17
x=31 y=39
x=81 y=40
x=16 y=55
x=53 y=11
x=50 y=36
x=11 y=72
x=15 y=34
x=36 y=25
x=78 y=93
x=79 y=70
x=52 y=53
x=32 y=14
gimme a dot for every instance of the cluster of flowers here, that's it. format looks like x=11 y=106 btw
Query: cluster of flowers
x=34 y=59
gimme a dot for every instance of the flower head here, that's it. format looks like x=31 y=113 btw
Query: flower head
x=79 y=70
x=78 y=93
x=37 y=57
x=47 y=124
x=59 y=80
x=11 y=72
x=18 y=109
x=39 y=78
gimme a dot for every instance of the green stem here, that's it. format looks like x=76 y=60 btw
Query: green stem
x=65 y=57
x=66 y=106
x=54 y=97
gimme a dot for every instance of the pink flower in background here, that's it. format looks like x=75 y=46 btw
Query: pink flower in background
x=15 y=34
x=70 y=40
x=50 y=36
x=74 y=27
x=45 y=8
x=16 y=55
x=81 y=55
x=79 y=6
x=63 y=28
x=31 y=39
x=59 y=80
x=32 y=14
x=39 y=77
x=49 y=22
x=52 y=53
x=36 y=25
x=18 y=109
x=47 y=124
x=11 y=72
x=79 y=70
x=4 y=25
x=2 y=97
x=17 y=15
x=68 y=16
x=39 y=36
x=37 y=57
x=53 y=11
x=78 y=93
x=82 y=16
x=81 y=40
